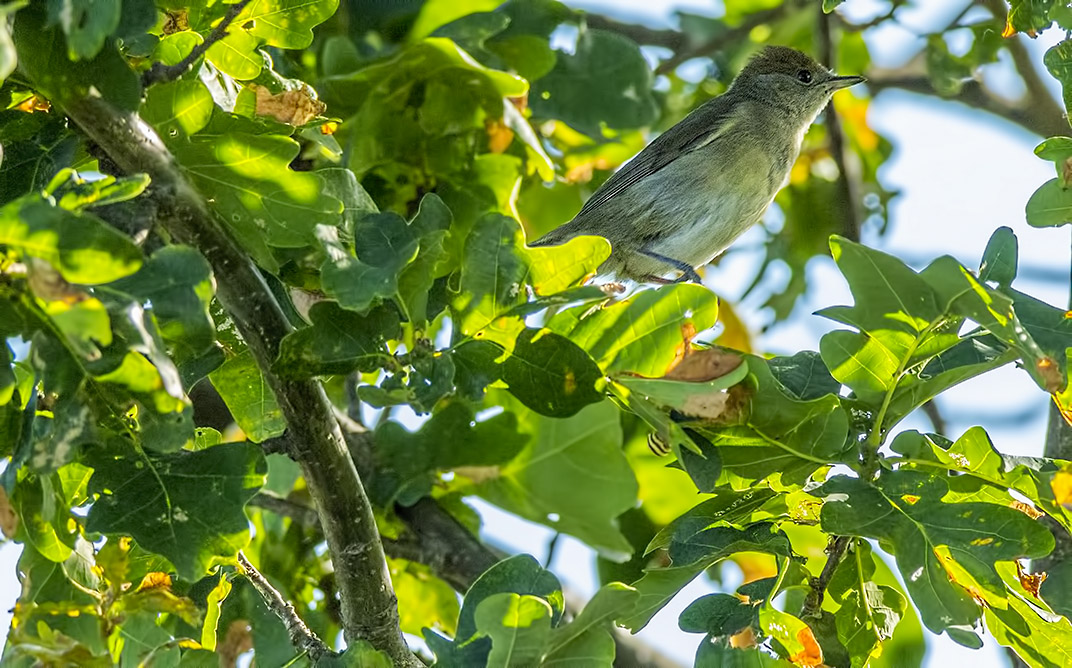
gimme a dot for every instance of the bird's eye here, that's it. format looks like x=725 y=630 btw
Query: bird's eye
x=804 y=76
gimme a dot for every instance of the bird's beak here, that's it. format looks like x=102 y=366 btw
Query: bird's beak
x=837 y=83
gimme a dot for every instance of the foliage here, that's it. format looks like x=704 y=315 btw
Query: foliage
x=383 y=164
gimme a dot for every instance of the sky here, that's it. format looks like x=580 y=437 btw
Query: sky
x=962 y=174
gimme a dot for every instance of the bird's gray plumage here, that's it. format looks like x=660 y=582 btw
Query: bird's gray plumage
x=699 y=185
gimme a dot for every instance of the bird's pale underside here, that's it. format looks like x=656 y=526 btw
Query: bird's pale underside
x=700 y=185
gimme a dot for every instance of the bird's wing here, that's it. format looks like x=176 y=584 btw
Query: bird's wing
x=696 y=130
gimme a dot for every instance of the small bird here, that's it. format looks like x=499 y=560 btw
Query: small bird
x=690 y=193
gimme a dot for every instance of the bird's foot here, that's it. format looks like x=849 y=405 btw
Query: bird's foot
x=688 y=273
x=688 y=276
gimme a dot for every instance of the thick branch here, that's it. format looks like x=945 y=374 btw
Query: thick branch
x=368 y=603
x=1041 y=119
x=301 y=636
x=160 y=72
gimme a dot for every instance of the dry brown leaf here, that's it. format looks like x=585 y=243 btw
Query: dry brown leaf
x=294 y=107
x=176 y=20
x=499 y=135
x=1027 y=509
x=1062 y=487
x=701 y=366
x=744 y=639
x=1030 y=581
x=155 y=580
x=812 y=655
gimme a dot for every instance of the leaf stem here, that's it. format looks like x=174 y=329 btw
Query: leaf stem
x=877 y=437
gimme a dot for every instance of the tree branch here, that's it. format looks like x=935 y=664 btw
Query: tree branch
x=813 y=604
x=369 y=607
x=668 y=39
x=720 y=40
x=848 y=175
x=160 y=72
x=301 y=636
x=1038 y=119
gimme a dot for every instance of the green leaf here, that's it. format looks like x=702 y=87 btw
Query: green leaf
x=962 y=294
x=551 y=375
x=869 y=612
x=1050 y=205
x=43 y=58
x=1058 y=60
x=407 y=462
x=287 y=24
x=437 y=13
x=694 y=549
x=248 y=397
x=804 y=375
x=947 y=72
x=968 y=359
x=178 y=109
x=236 y=55
x=644 y=334
x=716 y=614
x=496 y=265
x=87 y=23
x=431 y=224
x=74 y=193
x=1000 y=258
x=726 y=508
x=606 y=81
x=251 y=187
x=83 y=248
x=795 y=638
x=1038 y=640
x=518 y=627
x=177 y=281
x=384 y=244
x=173 y=48
x=831 y=5
x=338 y=341
x=475 y=367
x=519 y=574
x=1059 y=151
x=934 y=541
x=973 y=454
x=589 y=636
x=571 y=476
x=1029 y=16
x=162 y=500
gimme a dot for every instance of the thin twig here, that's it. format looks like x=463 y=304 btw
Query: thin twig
x=159 y=72
x=301 y=636
x=834 y=553
x=298 y=512
x=720 y=40
x=930 y=409
x=847 y=176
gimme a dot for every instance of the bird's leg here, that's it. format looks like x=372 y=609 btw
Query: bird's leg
x=688 y=273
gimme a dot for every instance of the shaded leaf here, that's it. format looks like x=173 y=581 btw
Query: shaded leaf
x=550 y=374
x=337 y=342
x=161 y=501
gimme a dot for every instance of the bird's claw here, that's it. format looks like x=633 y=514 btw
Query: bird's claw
x=689 y=276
